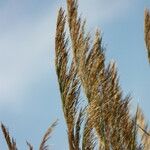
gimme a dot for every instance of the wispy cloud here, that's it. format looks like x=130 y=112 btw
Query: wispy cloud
x=26 y=51
x=104 y=11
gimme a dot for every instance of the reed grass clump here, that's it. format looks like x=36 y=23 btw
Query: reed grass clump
x=102 y=121
x=107 y=111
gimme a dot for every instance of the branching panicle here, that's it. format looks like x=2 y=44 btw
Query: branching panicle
x=43 y=145
x=68 y=83
x=107 y=110
x=143 y=129
x=147 y=31
x=30 y=146
x=10 y=141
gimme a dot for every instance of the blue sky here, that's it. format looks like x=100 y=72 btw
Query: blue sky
x=29 y=96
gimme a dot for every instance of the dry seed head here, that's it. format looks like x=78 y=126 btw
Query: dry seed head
x=43 y=145
x=147 y=31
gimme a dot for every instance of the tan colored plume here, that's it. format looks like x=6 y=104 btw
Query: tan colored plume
x=147 y=31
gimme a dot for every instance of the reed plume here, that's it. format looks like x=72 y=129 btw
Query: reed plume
x=108 y=109
x=11 y=143
x=43 y=145
x=147 y=31
x=143 y=129
x=69 y=84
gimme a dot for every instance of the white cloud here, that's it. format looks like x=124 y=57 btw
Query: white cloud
x=26 y=52
x=104 y=11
